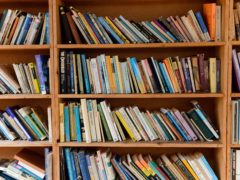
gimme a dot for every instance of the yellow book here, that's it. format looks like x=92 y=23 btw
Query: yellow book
x=116 y=30
x=125 y=125
x=73 y=133
x=119 y=72
x=34 y=77
x=213 y=74
x=184 y=161
x=61 y=117
x=93 y=36
x=140 y=166
x=110 y=75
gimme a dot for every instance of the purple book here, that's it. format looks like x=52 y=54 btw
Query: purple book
x=185 y=124
x=236 y=67
x=218 y=75
x=203 y=85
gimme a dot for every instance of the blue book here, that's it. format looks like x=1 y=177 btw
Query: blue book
x=137 y=74
x=18 y=121
x=201 y=22
x=78 y=125
x=85 y=74
x=46 y=152
x=83 y=165
x=116 y=160
x=87 y=17
x=88 y=161
x=104 y=68
x=174 y=122
x=43 y=72
x=113 y=61
x=126 y=80
x=24 y=30
x=69 y=163
x=72 y=73
x=186 y=75
x=47 y=34
x=165 y=79
x=26 y=171
x=73 y=165
x=156 y=31
x=110 y=31
x=99 y=61
x=214 y=177
x=67 y=124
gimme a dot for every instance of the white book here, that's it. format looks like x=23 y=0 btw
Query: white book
x=9 y=134
x=95 y=76
x=101 y=168
x=190 y=29
x=86 y=120
x=109 y=121
x=39 y=174
x=114 y=123
x=30 y=30
x=201 y=163
x=49 y=114
x=194 y=167
x=237 y=164
x=191 y=74
x=94 y=167
x=96 y=120
x=5 y=22
x=91 y=119
x=111 y=174
x=36 y=23
x=218 y=23
x=144 y=124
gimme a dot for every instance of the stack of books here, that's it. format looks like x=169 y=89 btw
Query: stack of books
x=27 y=165
x=24 y=78
x=105 y=74
x=235 y=126
x=87 y=28
x=236 y=69
x=90 y=121
x=25 y=123
x=236 y=22
x=19 y=27
x=78 y=164
x=235 y=165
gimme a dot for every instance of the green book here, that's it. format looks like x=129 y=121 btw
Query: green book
x=104 y=122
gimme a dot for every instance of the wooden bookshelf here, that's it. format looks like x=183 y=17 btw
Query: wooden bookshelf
x=214 y=104
x=217 y=105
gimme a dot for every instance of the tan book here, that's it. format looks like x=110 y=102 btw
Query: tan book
x=195 y=24
x=132 y=78
x=61 y=123
x=86 y=120
x=195 y=71
x=119 y=72
x=213 y=74
x=73 y=133
x=190 y=28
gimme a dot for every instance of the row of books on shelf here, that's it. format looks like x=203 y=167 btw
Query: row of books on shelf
x=19 y=27
x=107 y=74
x=103 y=164
x=235 y=126
x=92 y=121
x=26 y=78
x=88 y=28
x=25 y=123
x=27 y=165
x=236 y=69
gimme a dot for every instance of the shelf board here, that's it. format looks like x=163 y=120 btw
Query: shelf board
x=156 y=144
x=235 y=95
x=234 y=145
x=144 y=96
x=25 y=96
x=24 y=47
x=25 y=144
x=24 y=1
x=235 y=42
x=146 y=45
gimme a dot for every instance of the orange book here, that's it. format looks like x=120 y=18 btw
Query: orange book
x=140 y=166
x=209 y=13
x=110 y=75
x=31 y=159
x=171 y=74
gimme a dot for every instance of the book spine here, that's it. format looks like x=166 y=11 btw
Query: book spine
x=39 y=64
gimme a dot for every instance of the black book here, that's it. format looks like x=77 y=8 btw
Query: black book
x=77 y=165
x=39 y=30
x=63 y=168
x=140 y=29
x=66 y=31
x=154 y=79
x=149 y=33
x=62 y=68
x=168 y=26
x=68 y=73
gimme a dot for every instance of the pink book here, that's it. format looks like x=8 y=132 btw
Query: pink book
x=184 y=124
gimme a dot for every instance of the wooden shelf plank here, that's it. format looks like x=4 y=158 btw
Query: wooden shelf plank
x=24 y=1
x=25 y=96
x=235 y=42
x=185 y=95
x=234 y=145
x=146 y=144
x=150 y=45
x=235 y=95
x=25 y=144
x=24 y=47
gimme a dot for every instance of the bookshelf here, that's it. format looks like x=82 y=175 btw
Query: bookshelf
x=24 y=54
x=142 y=10
x=217 y=105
